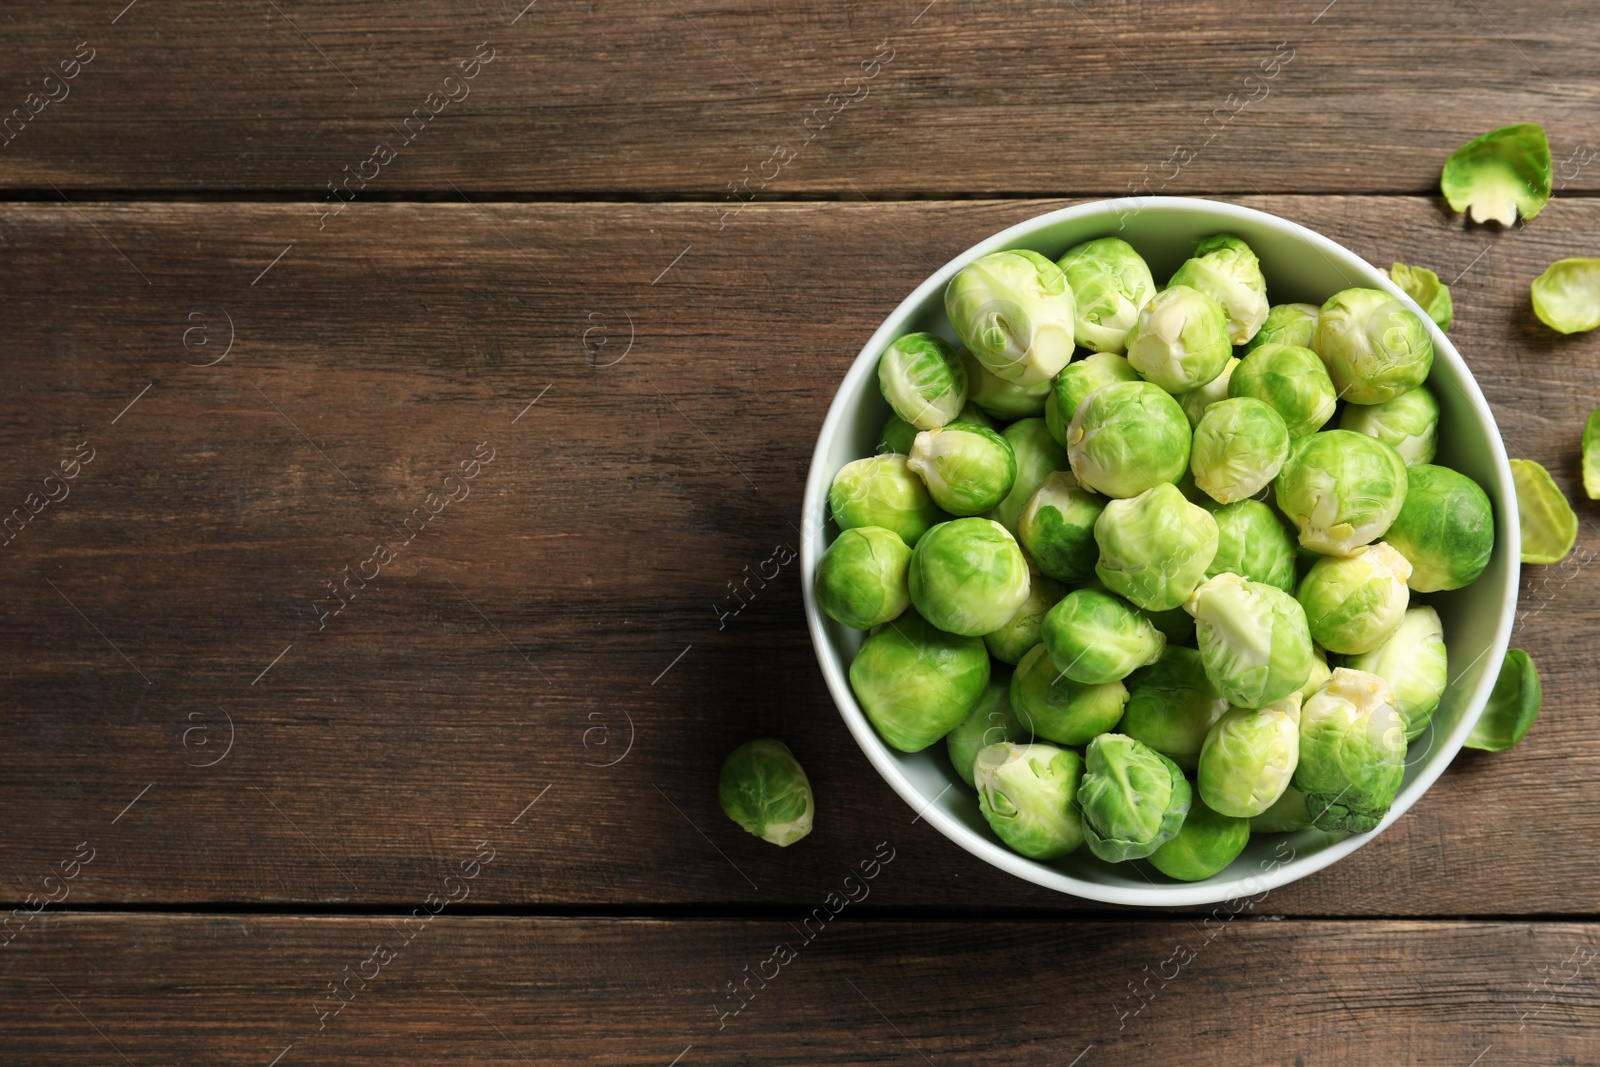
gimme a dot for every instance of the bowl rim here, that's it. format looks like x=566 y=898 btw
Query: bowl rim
x=1208 y=891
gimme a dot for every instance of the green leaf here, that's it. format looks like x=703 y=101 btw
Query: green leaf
x=1566 y=297
x=1549 y=527
x=1512 y=707
x=1424 y=286
x=1498 y=175
x=1591 y=456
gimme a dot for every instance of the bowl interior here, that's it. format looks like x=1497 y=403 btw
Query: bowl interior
x=1300 y=266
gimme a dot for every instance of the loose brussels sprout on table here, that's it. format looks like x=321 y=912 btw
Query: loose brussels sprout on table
x=1057 y=528
x=1110 y=284
x=923 y=379
x=1292 y=381
x=1172 y=705
x=1341 y=489
x=1352 y=752
x=1287 y=324
x=1227 y=270
x=1134 y=799
x=764 y=789
x=1016 y=314
x=1094 y=637
x=1374 y=347
x=1239 y=447
x=1155 y=548
x=882 y=491
x=1180 y=341
x=968 y=576
x=861 y=578
x=1028 y=795
x=1127 y=437
x=1409 y=424
x=1074 y=384
x=967 y=469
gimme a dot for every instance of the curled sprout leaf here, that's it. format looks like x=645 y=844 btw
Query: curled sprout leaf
x=1513 y=705
x=1566 y=297
x=1549 y=527
x=765 y=790
x=1424 y=286
x=1591 y=456
x=1500 y=174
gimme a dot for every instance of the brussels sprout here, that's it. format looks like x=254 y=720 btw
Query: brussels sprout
x=1225 y=269
x=1566 y=297
x=971 y=415
x=1206 y=843
x=1424 y=286
x=923 y=380
x=1249 y=757
x=1374 y=347
x=1591 y=456
x=968 y=576
x=1028 y=795
x=1126 y=437
x=1110 y=283
x=1355 y=603
x=916 y=682
x=897 y=436
x=1415 y=664
x=1352 y=752
x=968 y=469
x=1175 y=624
x=1239 y=447
x=1057 y=528
x=990 y=722
x=1253 y=638
x=1074 y=384
x=1154 y=548
x=1015 y=311
x=1286 y=816
x=1133 y=798
x=1409 y=424
x=765 y=790
x=1252 y=543
x=1037 y=455
x=1181 y=340
x=1287 y=324
x=1292 y=381
x=1172 y=705
x=1000 y=398
x=1549 y=527
x=861 y=578
x=1513 y=705
x=1320 y=673
x=1504 y=171
x=882 y=491
x=1056 y=708
x=1195 y=402
x=1341 y=490
x=1445 y=528
x=1094 y=637
x=1012 y=641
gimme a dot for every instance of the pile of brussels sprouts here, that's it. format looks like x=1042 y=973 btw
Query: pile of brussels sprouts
x=1160 y=596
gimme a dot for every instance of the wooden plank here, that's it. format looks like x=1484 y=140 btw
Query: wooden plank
x=554 y=633
x=243 y=990
x=739 y=99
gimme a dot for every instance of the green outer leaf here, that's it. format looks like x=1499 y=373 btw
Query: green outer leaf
x=1513 y=705
x=1501 y=173
x=1566 y=297
x=1591 y=456
x=1424 y=286
x=1548 y=523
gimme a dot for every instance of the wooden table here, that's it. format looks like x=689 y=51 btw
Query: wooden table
x=394 y=392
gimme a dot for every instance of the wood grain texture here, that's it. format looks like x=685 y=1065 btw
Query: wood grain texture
x=232 y=990
x=576 y=587
x=911 y=98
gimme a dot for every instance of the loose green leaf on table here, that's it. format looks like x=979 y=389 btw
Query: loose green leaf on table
x=1513 y=705
x=1549 y=527
x=1504 y=172
x=1591 y=456
x=1566 y=297
x=1424 y=286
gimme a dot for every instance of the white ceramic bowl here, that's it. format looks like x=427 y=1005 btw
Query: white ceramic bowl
x=1299 y=266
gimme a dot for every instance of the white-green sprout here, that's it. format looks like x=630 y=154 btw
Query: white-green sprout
x=1320 y=673
x=1352 y=752
x=1110 y=283
x=968 y=469
x=1445 y=528
x=1000 y=398
x=1409 y=424
x=1566 y=297
x=1028 y=795
x=1495 y=176
x=1038 y=455
x=1253 y=543
x=1017 y=637
x=1074 y=384
x=1128 y=437
x=1180 y=341
x=968 y=576
x=1133 y=798
x=1374 y=347
x=861 y=578
x=1155 y=547
x=1287 y=324
x=1239 y=447
x=916 y=682
x=1249 y=758
x=1094 y=637
x=1253 y=638
x=1015 y=312
x=1052 y=706
x=882 y=491
x=1196 y=401
x=1415 y=664
x=1341 y=490
x=1290 y=379
x=1057 y=528
x=990 y=722
x=1355 y=603
x=1227 y=270
x=923 y=380
x=1172 y=705
x=764 y=789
